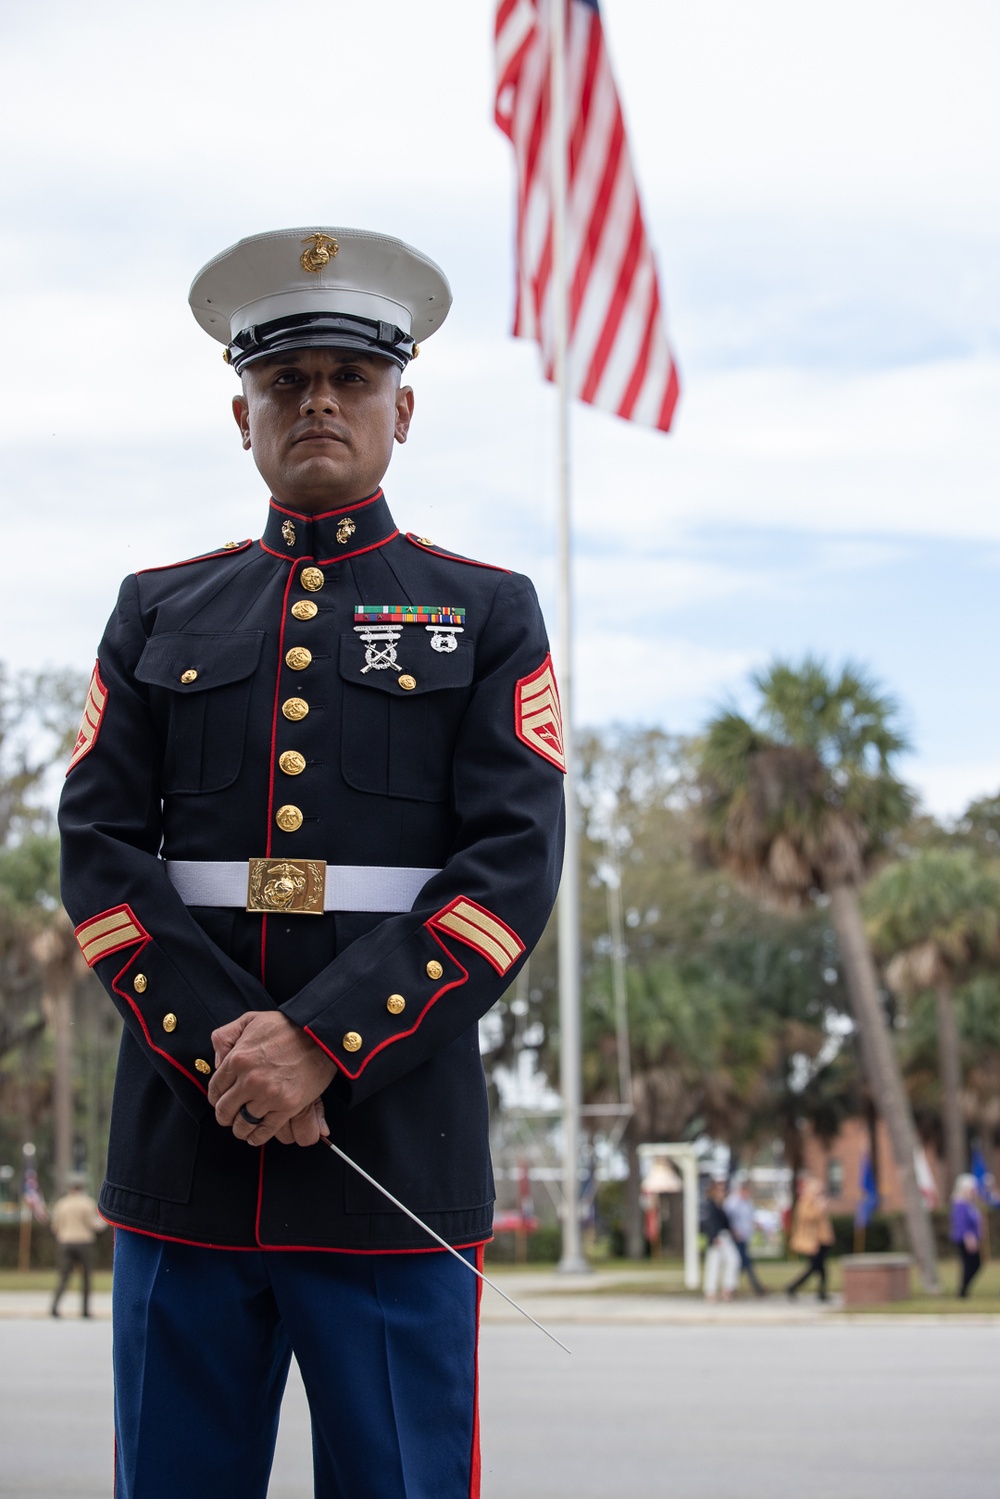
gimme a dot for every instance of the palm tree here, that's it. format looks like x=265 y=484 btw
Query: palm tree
x=797 y=804
x=936 y=917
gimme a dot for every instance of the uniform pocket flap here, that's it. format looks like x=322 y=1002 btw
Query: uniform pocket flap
x=190 y=663
x=405 y=662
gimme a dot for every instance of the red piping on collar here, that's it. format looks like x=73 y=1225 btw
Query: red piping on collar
x=327 y=514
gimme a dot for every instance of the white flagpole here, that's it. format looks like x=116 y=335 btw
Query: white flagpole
x=570 y=1049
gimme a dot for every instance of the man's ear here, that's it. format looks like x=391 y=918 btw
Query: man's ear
x=404 y=412
x=241 y=412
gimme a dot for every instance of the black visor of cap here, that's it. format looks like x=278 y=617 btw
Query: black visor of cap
x=320 y=330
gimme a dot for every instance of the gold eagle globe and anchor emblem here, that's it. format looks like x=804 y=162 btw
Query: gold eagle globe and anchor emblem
x=345 y=530
x=286 y=885
x=288 y=532
x=321 y=250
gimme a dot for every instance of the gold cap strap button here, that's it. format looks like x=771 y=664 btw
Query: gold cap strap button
x=305 y=609
x=434 y=969
x=139 y=983
x=295 y=708
x=289 y=819
x=169 y=1023
x=200 y=1065
x=189 y=676
x=395 y=1004
x=292 y=763
x=407 y=682
x=352 y=1041
x=298 y=658
x=312 y=579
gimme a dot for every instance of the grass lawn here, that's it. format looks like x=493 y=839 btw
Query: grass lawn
x=45 y=1280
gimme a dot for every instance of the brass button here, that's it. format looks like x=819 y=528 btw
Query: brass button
x=289 y=819
x=434 y=969
x=295 y=708
x=305 y=609
x=189 y=676
x=292 y=763
x=201 y=1065
x=139 y=983
x=311 y=578
x=228 y=546
x=425 y=541
x=407 y=682
x=352 y=1041
x=395 y=1004
x=169 y=1023
x=298 y=658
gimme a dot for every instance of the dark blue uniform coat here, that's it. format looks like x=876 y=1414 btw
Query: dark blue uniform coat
x=455 y=768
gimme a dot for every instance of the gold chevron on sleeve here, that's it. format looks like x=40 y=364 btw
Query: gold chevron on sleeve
x=479 y=929
x=93 y=712
x=538 y=716
x=107 y=932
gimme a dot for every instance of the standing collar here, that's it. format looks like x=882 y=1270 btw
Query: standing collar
x=332 y=536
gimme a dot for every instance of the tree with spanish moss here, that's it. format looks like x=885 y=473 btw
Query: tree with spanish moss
x=798 y=802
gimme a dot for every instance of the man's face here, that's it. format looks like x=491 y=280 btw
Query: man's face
x=321 y=424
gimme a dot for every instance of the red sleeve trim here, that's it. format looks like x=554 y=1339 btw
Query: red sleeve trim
x=478 y=928
x=538 y=715
x=130 y=1001
x=90 y=723
x=401 y=1035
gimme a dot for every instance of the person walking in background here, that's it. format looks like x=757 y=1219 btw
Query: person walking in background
x=76 y=1223
x=812 y=1234
x=966 y=1229
x=721 y=1256
x=739 y=1210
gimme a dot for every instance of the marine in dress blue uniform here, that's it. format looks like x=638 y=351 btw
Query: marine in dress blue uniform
x=311 y=827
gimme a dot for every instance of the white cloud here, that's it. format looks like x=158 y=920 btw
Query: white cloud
x=947 y=789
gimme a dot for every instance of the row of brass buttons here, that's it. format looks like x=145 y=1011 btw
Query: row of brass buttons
x=395 y=1004
x=140 y=984
x=288 y=817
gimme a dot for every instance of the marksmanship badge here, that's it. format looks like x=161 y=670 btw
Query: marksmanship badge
x=380 y=647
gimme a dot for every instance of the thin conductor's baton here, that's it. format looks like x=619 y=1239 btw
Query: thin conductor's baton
x=437 y=1237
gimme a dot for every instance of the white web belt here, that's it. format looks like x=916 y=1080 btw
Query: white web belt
x=347 y=887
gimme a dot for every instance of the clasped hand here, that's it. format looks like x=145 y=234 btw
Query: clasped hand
x=269 y=1066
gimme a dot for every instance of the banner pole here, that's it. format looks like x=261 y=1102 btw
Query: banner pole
x=570 y=1048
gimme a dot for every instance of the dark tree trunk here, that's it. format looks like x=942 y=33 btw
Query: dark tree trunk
x=635 y=1244
x=882 y=1067
x=949 y=1060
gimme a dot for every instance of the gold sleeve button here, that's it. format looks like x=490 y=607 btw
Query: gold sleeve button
x=352 y=1041
x=434 y=969
x=189 y=676
x=169 y=1023
x=395 y=1004
x=201 y=1065
x=298 y=658
x=407 y=682
x=311 y=578
x=140 y=983
x=289 y=819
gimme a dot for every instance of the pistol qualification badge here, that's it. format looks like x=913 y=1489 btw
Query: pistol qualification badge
x=443 y=637
x=288 y=532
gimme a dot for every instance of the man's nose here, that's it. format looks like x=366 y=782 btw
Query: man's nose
x=321 y=396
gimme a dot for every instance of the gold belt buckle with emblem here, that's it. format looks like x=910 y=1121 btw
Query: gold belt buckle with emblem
x=287 y=886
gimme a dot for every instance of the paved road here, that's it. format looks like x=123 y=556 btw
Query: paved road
x=834 y=1410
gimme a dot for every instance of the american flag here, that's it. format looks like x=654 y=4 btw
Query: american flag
x=618 y=357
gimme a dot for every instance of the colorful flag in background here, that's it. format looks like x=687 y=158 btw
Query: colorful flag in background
x=984 y=1179
x=868 y=1201
x=31 y=1195
x=619 y=357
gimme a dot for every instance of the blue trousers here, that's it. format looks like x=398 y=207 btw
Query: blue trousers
x=387 y=1348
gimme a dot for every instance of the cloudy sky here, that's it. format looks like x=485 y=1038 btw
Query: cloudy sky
x=821 y=186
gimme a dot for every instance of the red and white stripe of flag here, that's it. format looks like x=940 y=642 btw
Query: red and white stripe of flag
x=618 y=358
